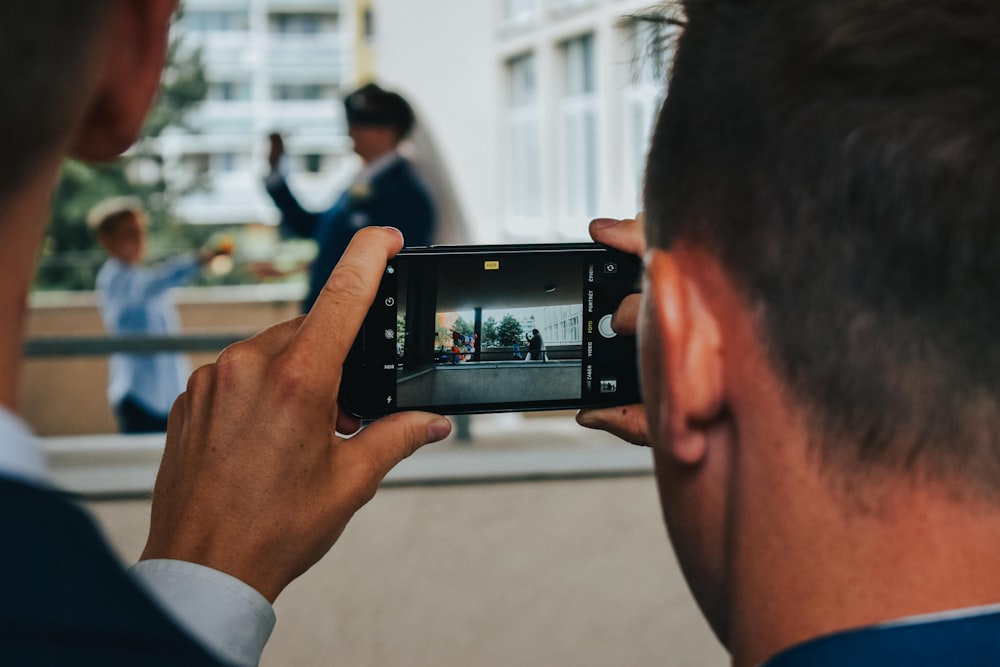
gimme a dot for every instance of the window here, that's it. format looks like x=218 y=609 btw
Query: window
x=524 y=178
x=229 y=90
x=578 y=138
x=225 y=162
x=215 y=21
x=368 y=23
x=307 y=23
x=518 y=11
x=313 y=163
x=302 y=91
x=643 y=97
x=562 y=6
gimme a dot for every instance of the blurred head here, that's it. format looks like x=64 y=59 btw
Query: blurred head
x=47 y=53
x=840 y=162
x=377 y=120
x=64 y=90
x=120 y=226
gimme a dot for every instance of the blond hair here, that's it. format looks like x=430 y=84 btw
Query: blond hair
x=104 y=217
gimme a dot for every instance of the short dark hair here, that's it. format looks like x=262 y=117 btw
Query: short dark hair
x=44 y=59
x=842 y=160
x=373 y=105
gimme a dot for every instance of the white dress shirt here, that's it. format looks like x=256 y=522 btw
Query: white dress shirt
x=228 y=617
x=136 y=300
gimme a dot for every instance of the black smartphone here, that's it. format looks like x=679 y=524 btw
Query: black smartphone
x=504 y=328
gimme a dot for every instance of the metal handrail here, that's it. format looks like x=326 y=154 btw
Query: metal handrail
x=93 y=346
x=102 y=346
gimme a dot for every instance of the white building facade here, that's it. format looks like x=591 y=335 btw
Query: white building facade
x=541 y=110
x=271 y=65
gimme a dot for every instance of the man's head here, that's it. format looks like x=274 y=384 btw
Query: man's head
x=120 y=226
x=838 y=163
x=377 y=120
x=842 y=161
x=75 y=78
x=46 y=54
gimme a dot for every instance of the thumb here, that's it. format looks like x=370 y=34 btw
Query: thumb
x=627 y=422
x=386 y=442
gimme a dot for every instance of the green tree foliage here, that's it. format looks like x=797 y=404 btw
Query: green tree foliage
x=490 y=337
x=462 y=326
x=70 y=257
x=400 y=330
x=509 y=331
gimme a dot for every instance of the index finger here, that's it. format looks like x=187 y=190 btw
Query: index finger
x=333 y=322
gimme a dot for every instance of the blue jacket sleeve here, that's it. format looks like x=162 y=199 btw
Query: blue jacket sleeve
x=294 y=218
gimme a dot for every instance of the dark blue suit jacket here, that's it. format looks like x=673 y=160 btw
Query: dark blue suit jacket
x=66 y=600
x=395 y=198
x=970 y=641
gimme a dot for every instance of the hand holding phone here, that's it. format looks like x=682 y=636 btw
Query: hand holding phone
x=464 y=329
x=254 y=480
x=627 y=422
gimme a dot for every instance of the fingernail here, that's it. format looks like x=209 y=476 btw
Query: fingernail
x=437 y=430
x=601 y=223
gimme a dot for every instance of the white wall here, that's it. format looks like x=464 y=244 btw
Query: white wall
x=440 y=55
x=450 y=56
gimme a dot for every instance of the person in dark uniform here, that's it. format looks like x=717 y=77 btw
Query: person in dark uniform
x=387 y=191
x=536 y=346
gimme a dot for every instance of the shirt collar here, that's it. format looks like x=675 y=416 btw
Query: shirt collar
x=20 y=455
x=377 y=166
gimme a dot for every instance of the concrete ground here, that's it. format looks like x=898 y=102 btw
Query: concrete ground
x=531 y=573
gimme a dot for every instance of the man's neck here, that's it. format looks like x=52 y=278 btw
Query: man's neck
x=806 y=567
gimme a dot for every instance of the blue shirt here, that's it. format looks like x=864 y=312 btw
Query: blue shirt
x=136 y=300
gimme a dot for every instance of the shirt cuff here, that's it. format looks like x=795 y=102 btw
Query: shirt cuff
x=228 y=617
x=274 y=179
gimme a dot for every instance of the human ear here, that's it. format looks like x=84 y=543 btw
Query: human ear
x=681 y=356
x=129 y=72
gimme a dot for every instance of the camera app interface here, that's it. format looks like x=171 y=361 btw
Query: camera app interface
x=507 y=329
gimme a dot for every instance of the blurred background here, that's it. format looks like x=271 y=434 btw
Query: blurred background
x=533 y=118
x=522 y=540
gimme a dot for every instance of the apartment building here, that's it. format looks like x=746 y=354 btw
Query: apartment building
x=271 y=65
x=540 y=109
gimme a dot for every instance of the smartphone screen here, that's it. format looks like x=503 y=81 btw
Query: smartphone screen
x=465 y=329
